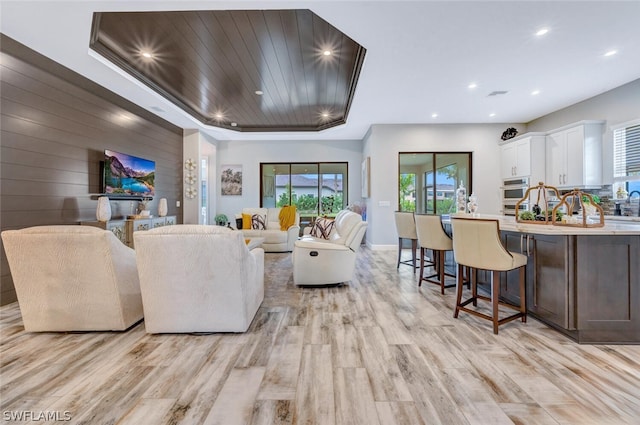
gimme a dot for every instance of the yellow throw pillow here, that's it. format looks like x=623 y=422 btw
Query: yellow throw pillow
x=246 y=221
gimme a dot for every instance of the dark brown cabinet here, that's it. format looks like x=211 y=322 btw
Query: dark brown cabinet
x=549 y=282
x=608 y=282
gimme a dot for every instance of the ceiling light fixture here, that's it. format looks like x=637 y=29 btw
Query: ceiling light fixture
x=542 y=31
x=472 y=85
x=611 y=53
x=234 y=124
x=146 y=54
x=535 y=92
x=492 y=114
x=434 y=115
x=259 y=92
x=327 y=53
x=219 y=115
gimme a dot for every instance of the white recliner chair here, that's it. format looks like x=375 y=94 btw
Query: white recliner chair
x=73 y=278
x=197 y=278
x=318 y=261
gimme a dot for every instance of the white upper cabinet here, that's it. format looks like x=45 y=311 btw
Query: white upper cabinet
x=574 y=156
x=523 y=156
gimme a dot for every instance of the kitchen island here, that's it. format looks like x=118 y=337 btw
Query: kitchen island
x=584 y=282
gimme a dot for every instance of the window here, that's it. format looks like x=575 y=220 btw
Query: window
x=626 y=156
x=315 y=188
x=439 y=173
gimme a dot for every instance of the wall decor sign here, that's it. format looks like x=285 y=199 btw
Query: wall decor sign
x=231 y=180
x=366 y=190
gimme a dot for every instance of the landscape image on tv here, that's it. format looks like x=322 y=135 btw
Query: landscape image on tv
x=128 y=175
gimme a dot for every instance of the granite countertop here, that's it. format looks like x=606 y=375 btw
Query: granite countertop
x=611 y=227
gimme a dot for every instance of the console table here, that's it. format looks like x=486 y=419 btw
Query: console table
x=124 y=228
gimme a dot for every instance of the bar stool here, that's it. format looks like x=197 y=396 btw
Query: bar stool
x=476 y=244
x=406 y=228
x=431 y=235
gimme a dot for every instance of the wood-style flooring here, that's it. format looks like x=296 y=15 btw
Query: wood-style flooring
x=378 y=350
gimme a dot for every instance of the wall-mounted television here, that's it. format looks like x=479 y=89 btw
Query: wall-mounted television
x=128 y=176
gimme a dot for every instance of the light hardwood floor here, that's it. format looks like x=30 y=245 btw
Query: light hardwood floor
x=378 y=350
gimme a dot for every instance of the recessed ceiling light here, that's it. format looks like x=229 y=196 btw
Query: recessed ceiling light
x=611 y=53
x=542 y=31
x=472 y=85
x=327 y=53
x=492 y=114
x=219 y=115
x=434 y=115
x=235 y=124
x=325 y=115
x=535 y=92
x=259 y=92
x=146 y=54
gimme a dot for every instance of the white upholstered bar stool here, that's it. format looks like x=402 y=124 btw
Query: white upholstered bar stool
x=477 y=244
x=431 y=235
x=406 y=228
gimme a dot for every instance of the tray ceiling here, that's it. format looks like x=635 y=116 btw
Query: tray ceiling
x=243 y=70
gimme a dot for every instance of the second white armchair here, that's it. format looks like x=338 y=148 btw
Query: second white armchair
x=318 y=261
x=198 y=278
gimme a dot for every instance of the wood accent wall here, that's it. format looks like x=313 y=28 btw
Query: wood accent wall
x=55 y=126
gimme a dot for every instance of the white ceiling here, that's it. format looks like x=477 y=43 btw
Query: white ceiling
x=421 y=56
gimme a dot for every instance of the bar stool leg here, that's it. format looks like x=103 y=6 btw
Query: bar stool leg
x=422 y=252
x=523 y=296
x=414 y=247
x=399 y=252
x=472 y=278
x=440 y=255
x=495 y=290
x=459 y=285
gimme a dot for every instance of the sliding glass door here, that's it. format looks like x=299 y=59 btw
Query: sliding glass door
x=315 y=188
x=428 y=180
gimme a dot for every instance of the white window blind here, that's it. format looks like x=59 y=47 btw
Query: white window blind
x=626 y=153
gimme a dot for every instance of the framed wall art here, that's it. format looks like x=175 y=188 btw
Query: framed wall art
x=231 y=180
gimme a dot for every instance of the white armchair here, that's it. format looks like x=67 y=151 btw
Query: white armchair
x=197 y=278
x=73 y=278
x=318 y=261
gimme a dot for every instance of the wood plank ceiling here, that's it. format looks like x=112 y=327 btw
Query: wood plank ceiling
x=244 y=70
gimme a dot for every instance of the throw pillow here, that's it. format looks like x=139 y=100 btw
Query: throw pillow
x=258 y=222
x=246 y=221
x=322 y=228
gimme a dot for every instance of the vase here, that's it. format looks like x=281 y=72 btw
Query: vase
x=103 y=212
x=162 y=207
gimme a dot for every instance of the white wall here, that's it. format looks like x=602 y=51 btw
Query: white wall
x=616 y=106
x=250 y=154
x=383 y=143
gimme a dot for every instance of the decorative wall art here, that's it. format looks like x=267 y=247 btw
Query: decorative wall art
x=231 y=180
x=190 y=179
x=366 y=163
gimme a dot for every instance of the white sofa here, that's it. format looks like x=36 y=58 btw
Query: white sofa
x=73 y=278
x=275 y=239
x=197 y=278
x=318 y=261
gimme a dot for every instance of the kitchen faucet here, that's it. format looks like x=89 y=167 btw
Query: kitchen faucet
x=629 y=199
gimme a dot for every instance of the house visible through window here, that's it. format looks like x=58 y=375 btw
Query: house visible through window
x=428 y=180
x=315 y=188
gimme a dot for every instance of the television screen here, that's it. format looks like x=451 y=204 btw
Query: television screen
x=127 y=175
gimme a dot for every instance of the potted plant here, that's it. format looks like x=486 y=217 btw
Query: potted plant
x=588 y=207
x=221 y=220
